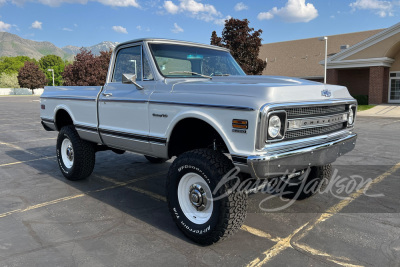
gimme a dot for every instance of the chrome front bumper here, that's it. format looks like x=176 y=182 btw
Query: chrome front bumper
x=277 y=163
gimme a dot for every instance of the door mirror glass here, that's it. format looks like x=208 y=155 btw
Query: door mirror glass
x=128 y=78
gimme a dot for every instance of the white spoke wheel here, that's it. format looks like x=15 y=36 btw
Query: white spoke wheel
x=195 y=198
x=67 y=153
x=76 y=157
x=205 y=209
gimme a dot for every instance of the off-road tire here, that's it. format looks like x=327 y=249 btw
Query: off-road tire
x=228 y=213
x=317 y=180
x=155 y=160
x=84 y=155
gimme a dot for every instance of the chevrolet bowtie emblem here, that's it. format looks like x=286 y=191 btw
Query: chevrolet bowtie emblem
x=326 y=93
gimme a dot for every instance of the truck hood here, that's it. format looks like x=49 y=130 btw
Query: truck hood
x=265 y=89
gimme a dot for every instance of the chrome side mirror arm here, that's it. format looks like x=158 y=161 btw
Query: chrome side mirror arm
x=131 y=79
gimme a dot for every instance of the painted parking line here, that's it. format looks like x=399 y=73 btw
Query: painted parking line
x=26 y=161
x=28 y=141
x=260 y=233
x=343 y=261
x=25 y=130
x=286 y=242
x=63 y=199
x=25 y=123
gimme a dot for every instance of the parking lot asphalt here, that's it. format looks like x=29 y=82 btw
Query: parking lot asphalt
x=119 y=216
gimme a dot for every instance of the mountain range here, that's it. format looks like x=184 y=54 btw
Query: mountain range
x=12 y=45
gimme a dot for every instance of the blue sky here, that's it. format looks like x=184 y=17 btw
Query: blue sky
x=88 y=22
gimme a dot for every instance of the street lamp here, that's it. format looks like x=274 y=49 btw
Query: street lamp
x=325 y=38
x=52 y=70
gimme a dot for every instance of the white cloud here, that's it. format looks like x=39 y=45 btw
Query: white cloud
x=241 y=6
x=123 y=3
x=176 y=28
x=139 y=28
x=4 y=27
x=67 y=29
x=265 y=16
x=381 y=8
x=171 y=7
x=205 y=12
x=222 y=21
x=37 y=25
x=294 y=11
x=120 y=29
x=54 y=3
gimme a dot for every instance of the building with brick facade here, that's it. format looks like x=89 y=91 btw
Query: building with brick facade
x=368 y=63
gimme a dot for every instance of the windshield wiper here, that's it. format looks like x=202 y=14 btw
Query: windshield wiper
x=220 y=74
x=190 y=72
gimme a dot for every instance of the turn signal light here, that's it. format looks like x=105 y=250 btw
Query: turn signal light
x=240 y=124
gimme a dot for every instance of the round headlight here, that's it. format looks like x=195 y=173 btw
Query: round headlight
x=351 y=117
x=274 y=126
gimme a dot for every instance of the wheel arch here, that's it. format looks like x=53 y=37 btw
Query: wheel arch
x=190 y=124
x=62 y=117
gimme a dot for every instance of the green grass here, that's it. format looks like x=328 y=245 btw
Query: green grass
x=364 y=107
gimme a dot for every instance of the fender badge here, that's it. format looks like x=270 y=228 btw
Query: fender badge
x=326 y=93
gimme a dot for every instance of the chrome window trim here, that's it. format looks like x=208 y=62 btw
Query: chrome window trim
x=266 y=108
x=116 y=57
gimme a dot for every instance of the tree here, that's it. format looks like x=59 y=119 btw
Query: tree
x=87 y=69
x=244 y=44
x=57 y=64
x=215 y=40
x=30 y=76
x=11 y=65
x=9 y=80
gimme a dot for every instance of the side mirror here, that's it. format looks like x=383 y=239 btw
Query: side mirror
x=131 y=79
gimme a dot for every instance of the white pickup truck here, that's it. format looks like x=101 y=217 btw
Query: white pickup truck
x=167 y=98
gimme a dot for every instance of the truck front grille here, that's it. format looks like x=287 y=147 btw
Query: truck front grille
x=314 y=131
x=316 y=120
x=314 y=111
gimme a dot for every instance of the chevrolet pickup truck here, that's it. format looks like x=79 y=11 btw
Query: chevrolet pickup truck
x=193 y=103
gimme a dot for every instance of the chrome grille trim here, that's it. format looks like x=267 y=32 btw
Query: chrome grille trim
x=317 y=110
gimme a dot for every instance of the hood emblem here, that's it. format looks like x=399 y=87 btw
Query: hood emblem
x=326 y=93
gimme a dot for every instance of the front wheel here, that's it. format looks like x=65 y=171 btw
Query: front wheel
x=76 y=157
x=204 y=206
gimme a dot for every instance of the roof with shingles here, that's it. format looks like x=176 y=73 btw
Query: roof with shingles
x=300 y=58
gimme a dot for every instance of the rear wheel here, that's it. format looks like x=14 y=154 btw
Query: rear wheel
x=205 y=210
x=76 y=157
x=155 y=159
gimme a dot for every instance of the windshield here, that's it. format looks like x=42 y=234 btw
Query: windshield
x=190 y=61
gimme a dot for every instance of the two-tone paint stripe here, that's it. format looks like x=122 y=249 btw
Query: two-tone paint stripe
x=241 y=108
x=137 y=137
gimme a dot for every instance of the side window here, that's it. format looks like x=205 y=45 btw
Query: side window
x=147 y=74
x=129 y=61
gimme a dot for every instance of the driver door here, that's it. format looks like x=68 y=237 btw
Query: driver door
x=123 y=108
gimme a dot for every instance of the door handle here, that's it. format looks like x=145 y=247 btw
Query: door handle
x=107 y=94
